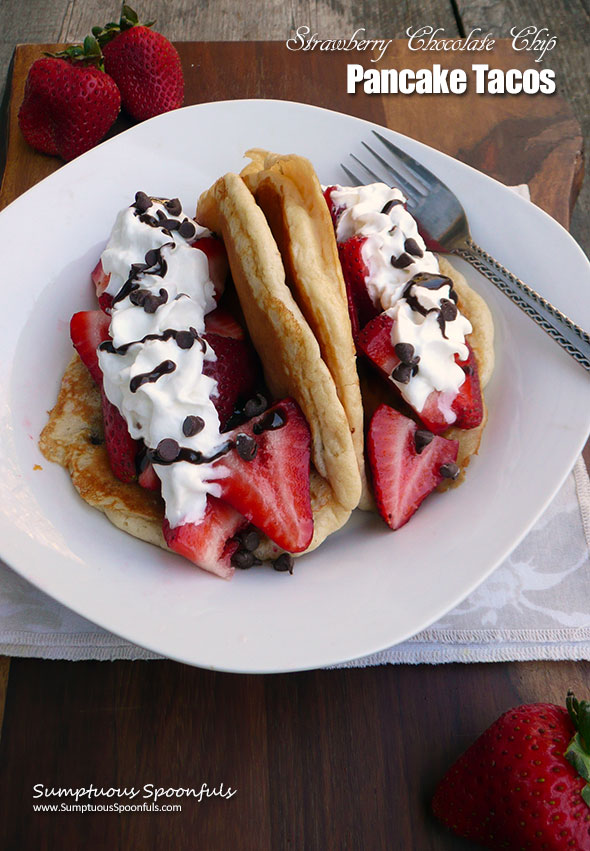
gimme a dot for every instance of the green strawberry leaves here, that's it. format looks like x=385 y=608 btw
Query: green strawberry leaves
x=129 y=18
x=89 y=53
x=578 y=750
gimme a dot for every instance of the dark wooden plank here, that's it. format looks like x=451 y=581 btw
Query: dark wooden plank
x=326 y=759
x=569 y=21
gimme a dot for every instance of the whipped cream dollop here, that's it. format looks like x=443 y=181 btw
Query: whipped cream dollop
x=404 y=281
x=153 y=366
x=147 y=223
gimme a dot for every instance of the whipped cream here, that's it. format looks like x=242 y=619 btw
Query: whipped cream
x=396 y=255
x=140 y=227
x=157 y=383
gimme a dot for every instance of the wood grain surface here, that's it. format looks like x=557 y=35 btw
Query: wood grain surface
x=320 y=760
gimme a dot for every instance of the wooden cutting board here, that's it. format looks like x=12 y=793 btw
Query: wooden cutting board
x=517 y=139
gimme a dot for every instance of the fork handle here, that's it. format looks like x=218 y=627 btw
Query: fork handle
x=560 y=327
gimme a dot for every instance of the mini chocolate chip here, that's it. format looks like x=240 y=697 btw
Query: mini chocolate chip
x=161 y=215
x=184 y=339
x=448 y=310
x=168 y=449
x=151 y=303
x=453 y=296
x=422 y=438
x=415 y=367
x=148 y=220
x=192 y=425
x=246 y=447
x=142 y=202
x=449 y=470
x=173 y=206
x=402 y=261
x=152 y=257
x=138 y=297
x=388 y=207
x=402 y=373
x=242 y=559
x=171 y=224
x=412 y=247
x=404 y=351
x=283 y=563
x=249 y=539
x=468 y=370
x=255 y=406
x=187 y=229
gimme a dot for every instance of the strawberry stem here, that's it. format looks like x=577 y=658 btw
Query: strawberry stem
x=89 y=53
x=129 y=19
x=578 y=750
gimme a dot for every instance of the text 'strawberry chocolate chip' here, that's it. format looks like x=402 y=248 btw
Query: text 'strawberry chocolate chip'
x=255 y=406
x=284 y=563
x=388 y=207
x=404 y=351
x=192 y=425
x=422 y=438
x=402 y=261
x=187 y=229
x=184 y=339
x=173 y=206
x=246 y=447
x=450 y=470
x=402 y=373
x=168 y=449
x=142 y=202
x=412 y=247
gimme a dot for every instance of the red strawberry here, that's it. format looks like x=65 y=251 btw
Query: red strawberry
x=406 y=464
x=148 y=478
x=335 y=211
x=209 y=544
x=144 y=64
x=236 y=370
x=272 y=488
x=100 y=279
x=88 y=329
x=218 y=262
x=354 y=270
x=221 y=322
x=68 y=107
x=520 y=785
x=121 y=447
x=375 y=342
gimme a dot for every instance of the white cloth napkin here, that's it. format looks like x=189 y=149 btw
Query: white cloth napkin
x=536 y=605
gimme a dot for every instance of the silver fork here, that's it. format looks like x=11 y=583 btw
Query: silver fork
x=442 y=217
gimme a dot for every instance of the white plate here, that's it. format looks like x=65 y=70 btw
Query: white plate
x=366 y=588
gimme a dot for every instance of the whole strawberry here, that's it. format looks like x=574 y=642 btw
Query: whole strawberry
x=69 y=104
x=144 y=64
x=523 y=783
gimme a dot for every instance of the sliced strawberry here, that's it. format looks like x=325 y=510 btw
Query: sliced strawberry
x=121 y=447
x=217 y=257
x=272 y=488
x=221 y=322
x=236 y=370
x=88 y=329
x=405 y=467
x=209 y=544
x=354 y=270
x=335 y=211
x=148 y=478
x=375 y=342
x=100 y=279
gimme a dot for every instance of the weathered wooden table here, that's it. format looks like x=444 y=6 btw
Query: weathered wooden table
x=325 y=759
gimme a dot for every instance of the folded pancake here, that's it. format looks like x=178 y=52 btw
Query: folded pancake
x=288 y=349
x=288 y=191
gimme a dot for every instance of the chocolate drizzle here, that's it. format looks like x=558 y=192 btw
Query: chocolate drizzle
x=184 y=340
x=163 y=368
x=168 y=225
x=154 y=264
